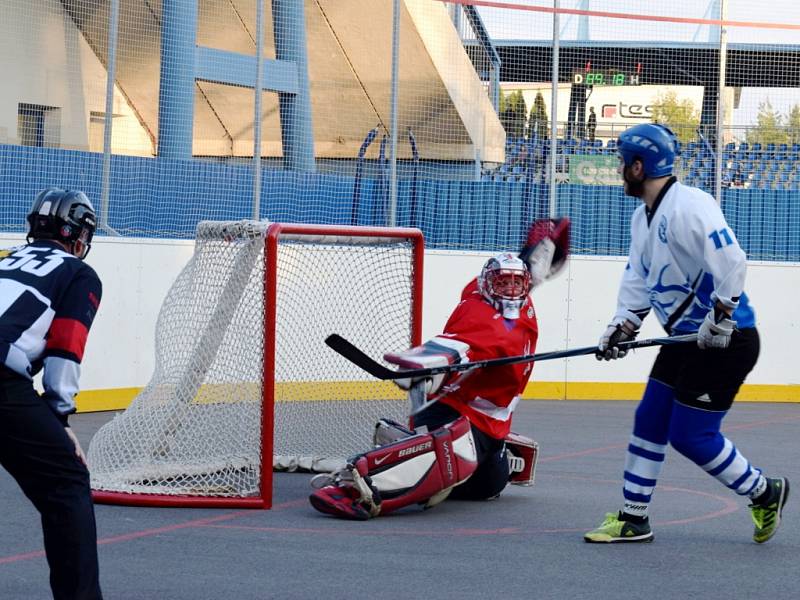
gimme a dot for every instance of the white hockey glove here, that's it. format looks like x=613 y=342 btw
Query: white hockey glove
x=617 y=331
x=437 y=352
x=715 y=331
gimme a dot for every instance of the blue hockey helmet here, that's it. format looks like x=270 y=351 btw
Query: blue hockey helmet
x=655 y=145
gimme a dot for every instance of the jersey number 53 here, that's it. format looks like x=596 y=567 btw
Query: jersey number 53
x=28 y=260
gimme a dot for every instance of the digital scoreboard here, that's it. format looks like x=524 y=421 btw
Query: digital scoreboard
x=608 y=77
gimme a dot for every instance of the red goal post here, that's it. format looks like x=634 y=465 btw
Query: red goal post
x=242 y=371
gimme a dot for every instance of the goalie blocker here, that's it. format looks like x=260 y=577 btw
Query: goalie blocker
x=413 y=468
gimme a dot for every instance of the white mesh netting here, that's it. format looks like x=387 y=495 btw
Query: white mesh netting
x=195 y=429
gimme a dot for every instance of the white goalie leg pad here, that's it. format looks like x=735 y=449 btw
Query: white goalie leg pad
x=522 y=453
x=419 y=468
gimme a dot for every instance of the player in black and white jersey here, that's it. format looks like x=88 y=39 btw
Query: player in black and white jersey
x=48 y=300
x=685 y=265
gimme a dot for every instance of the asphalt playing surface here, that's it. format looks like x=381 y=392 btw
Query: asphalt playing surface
x=528 y=544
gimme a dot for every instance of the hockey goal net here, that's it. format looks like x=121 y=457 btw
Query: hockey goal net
x=242 y=371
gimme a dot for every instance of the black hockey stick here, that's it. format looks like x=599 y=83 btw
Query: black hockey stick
x=374 y=368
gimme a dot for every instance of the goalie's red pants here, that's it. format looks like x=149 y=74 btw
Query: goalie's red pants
x=491 y=476
x=36 y=451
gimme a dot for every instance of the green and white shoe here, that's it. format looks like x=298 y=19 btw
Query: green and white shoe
x=767 y=515
x=613 y=529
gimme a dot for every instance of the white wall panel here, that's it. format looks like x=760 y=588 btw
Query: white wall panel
x=572 y=311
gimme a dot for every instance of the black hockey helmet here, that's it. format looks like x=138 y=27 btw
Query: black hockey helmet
x=62 y=215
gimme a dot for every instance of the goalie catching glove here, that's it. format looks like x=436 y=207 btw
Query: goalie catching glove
x=546 y=248
x=437 y=352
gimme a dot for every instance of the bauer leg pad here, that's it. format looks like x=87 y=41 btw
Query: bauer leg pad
x=522 y=453
x=415 y=470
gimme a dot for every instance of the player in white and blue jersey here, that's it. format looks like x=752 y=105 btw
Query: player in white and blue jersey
x=685 y=265
x=48 y=300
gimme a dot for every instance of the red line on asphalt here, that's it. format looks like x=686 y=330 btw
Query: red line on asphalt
x=133 y=535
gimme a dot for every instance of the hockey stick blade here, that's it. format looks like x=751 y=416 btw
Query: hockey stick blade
x=377 y=370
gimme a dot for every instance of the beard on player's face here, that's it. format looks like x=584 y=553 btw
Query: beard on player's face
x=633 y=187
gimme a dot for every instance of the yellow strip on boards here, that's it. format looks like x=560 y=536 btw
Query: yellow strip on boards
x=582 y=390
x=111 y=399
x=120 y=398
x=292 y=391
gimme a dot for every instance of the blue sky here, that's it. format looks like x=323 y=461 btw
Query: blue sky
x=512 y=24
x=520 y=24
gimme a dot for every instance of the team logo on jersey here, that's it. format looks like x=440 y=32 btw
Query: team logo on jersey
x=662 y=229
x=530 y=312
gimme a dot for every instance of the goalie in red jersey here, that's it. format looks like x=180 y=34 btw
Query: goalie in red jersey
x=459 y=443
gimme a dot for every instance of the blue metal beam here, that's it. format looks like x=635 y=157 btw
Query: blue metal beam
x=182 y=62
x=176 y=81
x=297 y=137
x=231 y=68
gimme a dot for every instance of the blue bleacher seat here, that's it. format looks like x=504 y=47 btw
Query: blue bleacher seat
x=756 y=147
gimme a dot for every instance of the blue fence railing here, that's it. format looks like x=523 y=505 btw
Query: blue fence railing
x=166 y=198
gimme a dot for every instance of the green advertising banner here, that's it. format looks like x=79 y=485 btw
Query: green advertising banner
x=594 y=169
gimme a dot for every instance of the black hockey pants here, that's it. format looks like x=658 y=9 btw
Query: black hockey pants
x=38 y=453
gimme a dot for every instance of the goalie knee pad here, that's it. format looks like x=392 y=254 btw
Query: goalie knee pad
x=420 y=469
x=522 y=453
x=388 y=431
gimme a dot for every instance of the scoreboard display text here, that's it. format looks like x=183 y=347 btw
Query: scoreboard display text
x=611 y=78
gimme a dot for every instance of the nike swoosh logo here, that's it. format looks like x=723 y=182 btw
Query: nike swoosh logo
x=378 y=461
